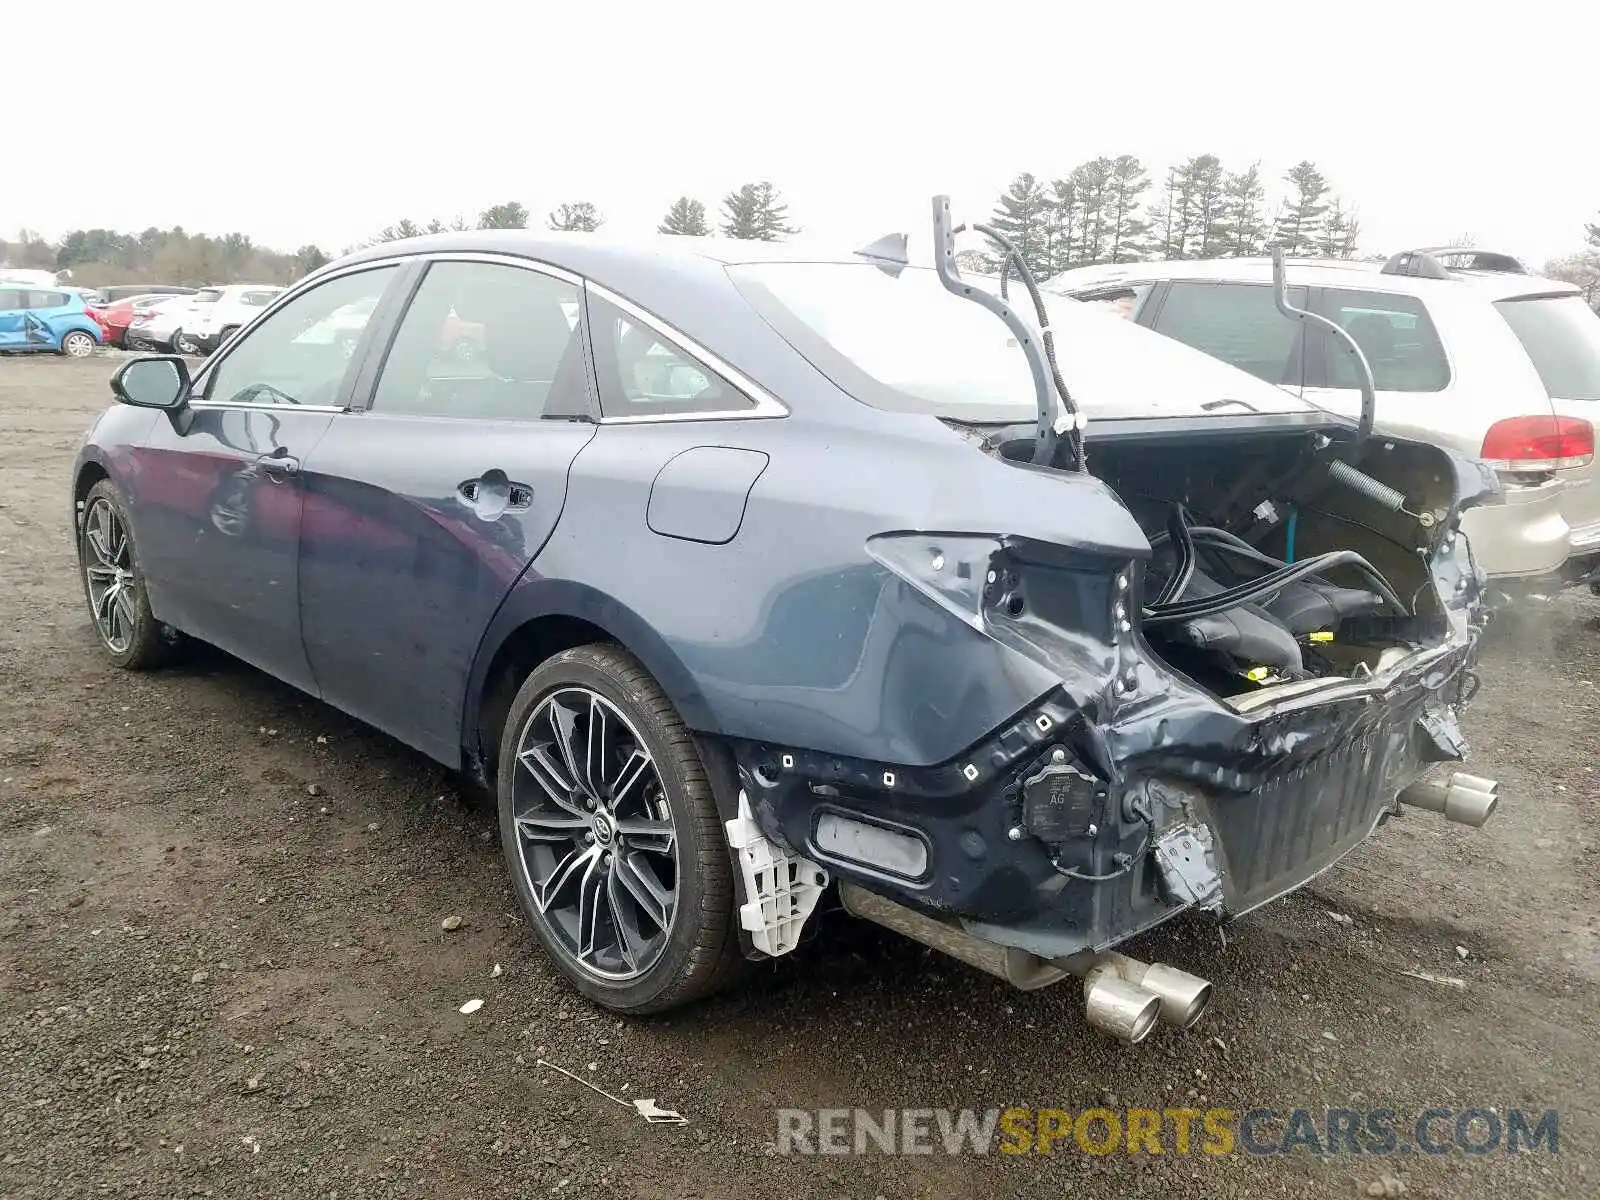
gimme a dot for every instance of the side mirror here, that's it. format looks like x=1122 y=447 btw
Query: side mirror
x=159 y=381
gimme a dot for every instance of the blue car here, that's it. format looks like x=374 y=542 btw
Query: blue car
x=46 y=319
x=736 y=571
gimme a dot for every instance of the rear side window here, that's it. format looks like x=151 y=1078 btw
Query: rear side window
x=207 y=296
x=257 y=299
x=46 y=299
x=1395 y=334
x=1562 y=336
x=487 y=342
x=1238 y=323
x=643 y=373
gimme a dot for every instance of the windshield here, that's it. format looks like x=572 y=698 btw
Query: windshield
x=1562 y=336
x=903 y=342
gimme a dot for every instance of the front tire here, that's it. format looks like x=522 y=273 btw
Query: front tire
x=114 y=586
x=612 y=836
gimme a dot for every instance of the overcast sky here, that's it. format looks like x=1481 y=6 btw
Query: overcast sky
x=298 y=122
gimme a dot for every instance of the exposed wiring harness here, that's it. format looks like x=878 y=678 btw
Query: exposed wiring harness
x=1069 y=406
x=1168 y=607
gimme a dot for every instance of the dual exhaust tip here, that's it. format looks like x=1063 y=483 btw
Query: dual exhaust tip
x=1122 y=996
x=1462 y=798
x=1126 y=998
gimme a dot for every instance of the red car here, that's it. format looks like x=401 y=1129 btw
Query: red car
x=116 y=317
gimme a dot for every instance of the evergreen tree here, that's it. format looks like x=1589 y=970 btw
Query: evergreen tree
x=1175 y=216
x=1339 y=232
x=1166 y=238
x=1091 y=183
x=686 y=217
x=755 y=213
x=1203 y=206
x=1022 y=216
x=1061 y=225
x=580 y=217
x=1299 y=226
x=510 y=215
x=1127 y=188
x=1592 y=232
x=1243 y=230
x=308 y=259
x=403 y=228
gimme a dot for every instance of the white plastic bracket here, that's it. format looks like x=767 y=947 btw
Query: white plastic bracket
x=781 y=889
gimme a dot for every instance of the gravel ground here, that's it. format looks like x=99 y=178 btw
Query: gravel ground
x=223 y=971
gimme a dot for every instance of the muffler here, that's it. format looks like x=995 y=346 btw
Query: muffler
x=1463 y=798
x=1121 y=996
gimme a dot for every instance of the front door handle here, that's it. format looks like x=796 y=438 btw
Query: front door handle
x=278 y=463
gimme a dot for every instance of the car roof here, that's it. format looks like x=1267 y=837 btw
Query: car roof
x=1316 y=272
x=572 y=250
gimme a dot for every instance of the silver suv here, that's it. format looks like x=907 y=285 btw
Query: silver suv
x=1468 y=351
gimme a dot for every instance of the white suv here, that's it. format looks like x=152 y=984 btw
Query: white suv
x=214 y=314
x=1467 y=349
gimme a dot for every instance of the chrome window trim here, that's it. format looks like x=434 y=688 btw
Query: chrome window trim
x=500 y=260
x=767 y=406
x=245 y=407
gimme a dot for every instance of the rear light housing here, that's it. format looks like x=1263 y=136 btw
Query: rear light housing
x=1539 y=443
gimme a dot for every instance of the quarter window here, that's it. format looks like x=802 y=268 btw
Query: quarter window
x=1238 y=323
x=1395 y=335
x=301 y=353
x=643 y=373
x=487 y=341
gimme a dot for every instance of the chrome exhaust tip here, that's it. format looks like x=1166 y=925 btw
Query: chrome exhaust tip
x=1184 y=997
x=1113 y=1005
x=1463 y=798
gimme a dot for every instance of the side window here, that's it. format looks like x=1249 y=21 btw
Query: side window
x=46 y=299
x=1238 y=323
x=1395 y=334
x=486 y=341
x=301 y=353
x=11 y=301
x=643 y=373
x=257 y=299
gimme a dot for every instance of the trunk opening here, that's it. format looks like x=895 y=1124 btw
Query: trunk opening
x=1226 y=508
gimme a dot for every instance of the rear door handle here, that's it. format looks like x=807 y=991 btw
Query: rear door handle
x=492 y=494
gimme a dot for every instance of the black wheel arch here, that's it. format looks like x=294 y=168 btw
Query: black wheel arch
x=540 y=619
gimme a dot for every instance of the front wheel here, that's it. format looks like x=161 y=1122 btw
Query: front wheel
x=612 y=835
x=77 y=344
x=114 y=586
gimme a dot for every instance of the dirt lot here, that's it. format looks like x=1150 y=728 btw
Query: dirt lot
x=222 y=968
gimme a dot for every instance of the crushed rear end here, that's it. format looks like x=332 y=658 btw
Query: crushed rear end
x=1264 y=663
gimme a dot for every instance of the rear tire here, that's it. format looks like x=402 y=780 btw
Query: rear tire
x=604 y=832
x=114 y=585
x=78 y=344
x=183 y=344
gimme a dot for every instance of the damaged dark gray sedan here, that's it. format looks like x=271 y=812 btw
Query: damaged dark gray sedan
x=737 y=571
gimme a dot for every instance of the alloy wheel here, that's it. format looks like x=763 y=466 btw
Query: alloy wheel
x=595 y=834
x=78 y=345
x=108 y=566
